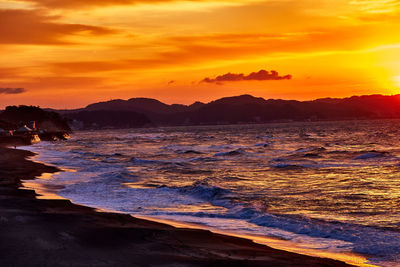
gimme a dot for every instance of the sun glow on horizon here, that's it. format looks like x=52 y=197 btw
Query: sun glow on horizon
x=397 y=81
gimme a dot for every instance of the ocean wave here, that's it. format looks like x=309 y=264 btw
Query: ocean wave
x=175 y=147
x=220 y=147
x=370 y=155
x=287 y=166
x=230 y=153
x=367 y=240
x=311 y=155
x=262 y=145
x=144 y=161
x=205 y=159
x=265 y=137
x=310 y=149
x=204 y=191
x=364 y=239
x=118 y=175
x=190 y=151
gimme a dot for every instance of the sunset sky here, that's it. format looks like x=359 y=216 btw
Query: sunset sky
x=67 y=54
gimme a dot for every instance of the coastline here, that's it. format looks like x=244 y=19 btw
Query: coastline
x=40 y=232
x=273 y=242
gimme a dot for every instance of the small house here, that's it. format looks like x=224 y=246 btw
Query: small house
x=24 y=130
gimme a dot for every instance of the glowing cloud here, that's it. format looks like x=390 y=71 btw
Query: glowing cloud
x=262 y=75
x=32 y=27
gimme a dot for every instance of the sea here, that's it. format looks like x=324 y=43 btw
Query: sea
x=332 y=186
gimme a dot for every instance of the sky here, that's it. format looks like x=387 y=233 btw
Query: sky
x=68 y=54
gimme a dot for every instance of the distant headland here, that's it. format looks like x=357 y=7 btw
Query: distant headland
x=24 y=125
x=243 y=109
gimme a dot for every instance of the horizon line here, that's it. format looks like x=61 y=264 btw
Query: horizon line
x=142 y=97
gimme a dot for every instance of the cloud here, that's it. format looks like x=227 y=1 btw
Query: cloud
x=32 y=27
x=12 y=91
x=262 y=75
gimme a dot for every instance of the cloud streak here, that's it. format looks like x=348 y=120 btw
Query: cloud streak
x=12 y=91
x=261 y=75
x=32 y=27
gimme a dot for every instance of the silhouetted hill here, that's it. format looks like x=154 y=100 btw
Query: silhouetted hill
x=240 y=109
x=109 y=118
x=378 y=105
x=16 y=116
x=196 y=105
x=142 y=105
x=239 y=100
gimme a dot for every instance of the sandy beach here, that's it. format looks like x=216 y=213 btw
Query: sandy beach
x=37 y=232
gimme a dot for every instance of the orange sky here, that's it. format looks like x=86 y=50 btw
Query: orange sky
x=67 y=54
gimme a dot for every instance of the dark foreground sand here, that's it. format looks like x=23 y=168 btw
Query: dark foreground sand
x=37 y=232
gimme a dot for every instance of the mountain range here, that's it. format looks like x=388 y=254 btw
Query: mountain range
x=138 y=112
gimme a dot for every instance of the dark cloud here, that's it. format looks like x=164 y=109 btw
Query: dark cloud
x=12 y=91
x=262 y=75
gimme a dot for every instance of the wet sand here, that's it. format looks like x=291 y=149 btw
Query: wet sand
x=40 y=232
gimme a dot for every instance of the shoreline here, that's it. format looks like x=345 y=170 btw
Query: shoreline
x=62 y=233
x=273 y=242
